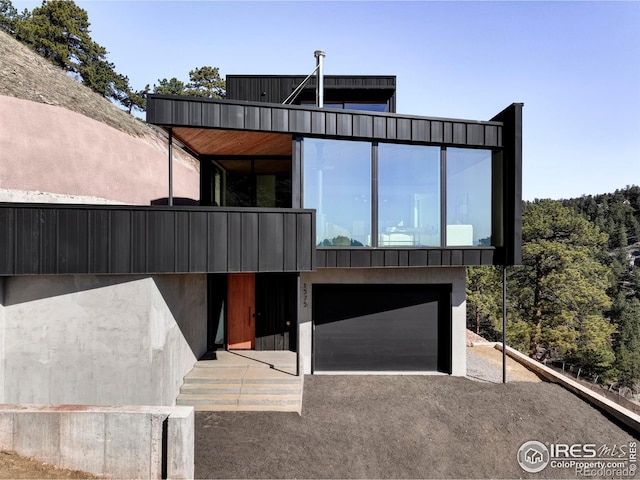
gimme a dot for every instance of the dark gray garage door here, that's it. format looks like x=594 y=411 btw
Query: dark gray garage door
x=382 y=327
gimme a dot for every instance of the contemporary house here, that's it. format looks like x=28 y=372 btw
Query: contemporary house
x=341 y=233
x=398 y=206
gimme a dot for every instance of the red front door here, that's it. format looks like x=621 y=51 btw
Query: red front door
x=241 y=308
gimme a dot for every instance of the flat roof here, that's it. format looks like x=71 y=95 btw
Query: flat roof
x=217 y=126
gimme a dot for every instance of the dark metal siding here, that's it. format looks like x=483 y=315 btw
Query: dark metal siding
x=40 y=239
x=310 y=121
x=276 y=88
x=382 y=257
x=511 y=117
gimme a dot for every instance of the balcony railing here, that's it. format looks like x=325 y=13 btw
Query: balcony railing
x=44 y=239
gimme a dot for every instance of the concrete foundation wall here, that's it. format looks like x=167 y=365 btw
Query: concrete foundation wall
x=54 y=150
x=117 y=442
x=456 y=276
x=100 y=340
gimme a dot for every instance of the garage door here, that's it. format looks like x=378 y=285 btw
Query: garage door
x=382 y=327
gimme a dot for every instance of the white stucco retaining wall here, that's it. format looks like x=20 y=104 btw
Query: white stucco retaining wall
x=100 y=340
x=456 y=276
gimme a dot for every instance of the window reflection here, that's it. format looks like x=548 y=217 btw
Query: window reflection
x=408 y=195
x=337 y=183
x=468 y=197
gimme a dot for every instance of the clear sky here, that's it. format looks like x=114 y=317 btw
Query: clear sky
x=575 y=65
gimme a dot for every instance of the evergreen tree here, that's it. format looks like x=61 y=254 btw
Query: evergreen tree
x=8 y=16
x=59 y=30
x=170 y=87
x=560 y=292
x=484 y=301
x=628 y=346
x=203 y=82
x=206 y=82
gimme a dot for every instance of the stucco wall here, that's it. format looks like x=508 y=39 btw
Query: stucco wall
x=100 y=340
x=45 y=148
x=440 y=275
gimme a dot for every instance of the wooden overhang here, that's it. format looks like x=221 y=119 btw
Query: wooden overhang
x=267 y=127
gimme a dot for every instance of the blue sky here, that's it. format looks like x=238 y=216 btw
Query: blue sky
x=575 y=65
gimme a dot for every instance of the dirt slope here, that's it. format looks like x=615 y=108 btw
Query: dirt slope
x=25 y=74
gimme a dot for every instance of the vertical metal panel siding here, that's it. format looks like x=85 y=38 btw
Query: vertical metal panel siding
x=403 y=129
x=139 y=241
x=252 y=118
x=380 y=127
x=120 y=241
x=224 y=255
x=249 y=242
x=28 y=241
x=182 y=249
x=295 y=120
x=279 y=120
x=7 y=234
x=362 y=126
x=399 y=257
x=437 y=131
x=511 y=117
x=290 y=231
x=48 y=241
x=198 y=244
x=210 y=115
x=99 y=241
x=195 y=113
x=318 y=123
x=270 y=254
x=38 y=239
x=305 y=232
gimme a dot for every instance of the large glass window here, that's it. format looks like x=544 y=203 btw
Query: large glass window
x=408 y=195
x=337 y=183
x=468 y=197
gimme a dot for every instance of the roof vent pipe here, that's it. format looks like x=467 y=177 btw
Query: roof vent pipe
x=319 y=54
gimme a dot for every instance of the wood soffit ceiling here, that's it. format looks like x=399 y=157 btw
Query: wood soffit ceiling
x=204 y=141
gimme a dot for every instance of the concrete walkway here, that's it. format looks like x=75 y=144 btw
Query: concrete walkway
x=244 y=380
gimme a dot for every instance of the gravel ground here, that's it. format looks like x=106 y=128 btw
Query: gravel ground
x=403 y=427
x=400 y=427
x=484 y=363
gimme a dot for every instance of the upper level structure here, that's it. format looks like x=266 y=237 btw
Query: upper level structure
x=387 y=189
x=350 y=92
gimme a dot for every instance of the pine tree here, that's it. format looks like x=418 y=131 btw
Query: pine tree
x=628 y=346
x=8 y=16
x=560 y=292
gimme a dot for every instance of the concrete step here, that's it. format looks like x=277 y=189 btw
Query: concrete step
x=244 y=388
x=246 y=408
x=243 y=382
x=238 y=375
x=239 y=400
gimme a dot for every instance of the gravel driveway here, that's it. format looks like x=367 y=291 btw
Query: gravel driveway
x=400 y=427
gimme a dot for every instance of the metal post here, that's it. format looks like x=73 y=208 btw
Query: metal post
x=504 y=324
x=170 y=200
x=319 y=54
